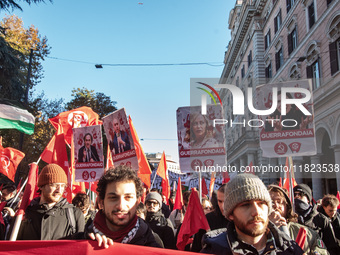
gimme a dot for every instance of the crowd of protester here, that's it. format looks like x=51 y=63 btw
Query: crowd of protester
x=244 y=216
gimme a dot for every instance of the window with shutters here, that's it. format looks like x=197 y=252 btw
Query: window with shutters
x=267 y=40
x=290 y=4
x=279 y=59
x=334 y=56
x=313 y=63
x=311 y=15
x=329 y=2
x=277 y=21
x=250 y=58
x=292 y=41
x=333 y=35
x=268 y=71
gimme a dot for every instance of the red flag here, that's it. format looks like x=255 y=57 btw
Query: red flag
x=81 y=117
x=109 y=161
x=204 y=187
x=10 y=159
x=212 y=183
x=194 y=220
x=226 y=177
x=144 y=171
x=301 y=237
x=162 y=172
x=30 y=189
x=286 y=184
x=179 y=197
x=249 y=169
x=2 y=205
x=338 y=197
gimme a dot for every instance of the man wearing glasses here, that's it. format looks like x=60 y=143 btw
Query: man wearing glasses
x=157 y=221
x=50 y=216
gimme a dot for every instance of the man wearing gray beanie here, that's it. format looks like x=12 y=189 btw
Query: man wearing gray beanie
x=247 y=205
x=157 y=221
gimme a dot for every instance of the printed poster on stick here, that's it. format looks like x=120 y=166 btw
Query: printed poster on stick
x=289 y=129
x=118 y=134
x=201 y=145
x=88 y=153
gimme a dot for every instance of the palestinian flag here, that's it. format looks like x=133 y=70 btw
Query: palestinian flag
x=12 y=116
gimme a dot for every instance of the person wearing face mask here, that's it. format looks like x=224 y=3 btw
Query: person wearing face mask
x=285 y=219
x=309 y=216
x=157 y=221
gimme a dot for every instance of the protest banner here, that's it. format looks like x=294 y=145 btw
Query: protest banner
x=88 y=153
x=119 y=138
x=201 y=144
x=289 y=130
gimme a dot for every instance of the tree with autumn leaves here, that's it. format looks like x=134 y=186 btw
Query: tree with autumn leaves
x=16 y=43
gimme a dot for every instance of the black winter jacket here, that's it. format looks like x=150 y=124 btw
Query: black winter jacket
x=162 y=227
x=225 y=241
x=42 y=223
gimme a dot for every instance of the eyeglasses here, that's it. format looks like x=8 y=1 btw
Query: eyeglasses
x=149 y=203
x=298 y=194
x=207 y=208
x=57 y=185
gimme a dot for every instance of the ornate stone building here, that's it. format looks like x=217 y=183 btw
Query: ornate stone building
x=280 y=40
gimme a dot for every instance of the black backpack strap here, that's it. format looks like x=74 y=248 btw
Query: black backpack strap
x=72 y=219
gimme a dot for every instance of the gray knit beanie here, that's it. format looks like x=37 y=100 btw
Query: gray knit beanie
x=154 y=196
x=244 y=187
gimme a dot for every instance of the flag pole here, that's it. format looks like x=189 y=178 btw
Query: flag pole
x=200 y=185
x=154 y=178
x=18 y=218
x=291 y=168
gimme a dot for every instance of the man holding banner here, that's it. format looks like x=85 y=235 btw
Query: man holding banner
x=119 y=192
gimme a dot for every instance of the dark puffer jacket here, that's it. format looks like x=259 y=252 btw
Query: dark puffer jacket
x=43 y=223
x=225 y=241
x=162 y=227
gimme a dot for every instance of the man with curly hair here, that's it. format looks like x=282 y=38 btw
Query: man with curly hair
x=119 y=193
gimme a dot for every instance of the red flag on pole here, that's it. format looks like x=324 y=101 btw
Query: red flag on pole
x=80 y=117
x=204 y=188
x=30 y=189
x=109 y=161
x=250 y=169
x=179 y=197
x=301 y=237
x=144 y=171
x=162 y=172
x=212 y=183
x=194 y=220
x=10 y=159
x=226 y=177
x=338 y=197
x=286 y=184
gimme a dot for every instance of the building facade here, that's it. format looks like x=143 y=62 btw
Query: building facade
x=282 y=40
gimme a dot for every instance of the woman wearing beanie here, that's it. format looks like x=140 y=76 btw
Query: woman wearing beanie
x=50 y=216
x=247 y=205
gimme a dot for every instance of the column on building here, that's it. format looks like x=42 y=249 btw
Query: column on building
x=336 y=149
x=316 y=178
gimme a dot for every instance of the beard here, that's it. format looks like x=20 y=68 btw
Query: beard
x=252 y=231
x=52 y=198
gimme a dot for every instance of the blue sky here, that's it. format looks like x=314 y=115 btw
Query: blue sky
x=127 y=32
